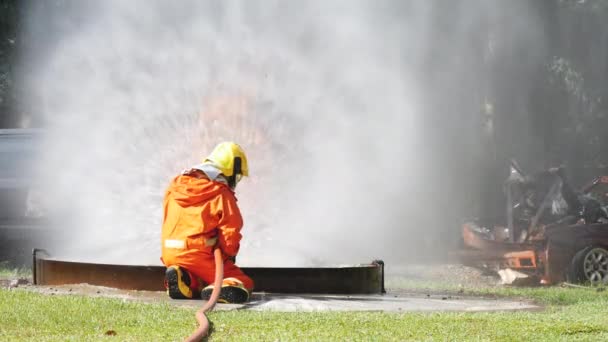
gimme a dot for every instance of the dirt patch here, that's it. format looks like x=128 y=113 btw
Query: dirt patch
x=450 y=275
x=13 y=282
x=125 y=295
x=394 y=301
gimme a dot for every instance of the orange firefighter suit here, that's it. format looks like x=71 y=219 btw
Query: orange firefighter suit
x=199 y=214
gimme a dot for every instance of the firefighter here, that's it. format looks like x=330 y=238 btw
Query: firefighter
x=201 y=214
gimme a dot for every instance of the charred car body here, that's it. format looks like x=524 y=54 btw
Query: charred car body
x=550 y=232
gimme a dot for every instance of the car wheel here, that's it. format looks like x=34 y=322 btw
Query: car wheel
x=590 y=265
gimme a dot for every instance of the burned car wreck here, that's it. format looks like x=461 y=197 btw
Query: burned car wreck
x=550 y=233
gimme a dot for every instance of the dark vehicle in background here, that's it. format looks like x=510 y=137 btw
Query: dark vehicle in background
x=550 y=232
x=21 y=225
x=18 y=148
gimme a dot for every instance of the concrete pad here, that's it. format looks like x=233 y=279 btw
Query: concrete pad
x=388 y=302
x=391 y=302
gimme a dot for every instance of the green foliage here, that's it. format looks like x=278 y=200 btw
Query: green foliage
x=8 y=42
x=587 y=5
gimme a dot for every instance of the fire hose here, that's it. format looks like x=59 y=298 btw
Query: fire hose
x=203 y=321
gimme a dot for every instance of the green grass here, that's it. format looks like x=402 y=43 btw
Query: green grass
x=555 y=295
x=571 y=314
x=545 y=295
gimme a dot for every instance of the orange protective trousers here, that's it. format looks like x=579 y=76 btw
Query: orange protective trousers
x=199 y=215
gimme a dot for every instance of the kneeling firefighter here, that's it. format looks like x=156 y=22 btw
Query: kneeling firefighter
x=201 y=214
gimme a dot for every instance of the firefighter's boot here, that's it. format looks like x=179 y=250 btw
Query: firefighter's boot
x=178 y=282
x=232 y=292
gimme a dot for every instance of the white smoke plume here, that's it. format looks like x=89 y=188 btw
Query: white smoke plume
x=323 y=95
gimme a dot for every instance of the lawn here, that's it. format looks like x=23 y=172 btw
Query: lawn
x=570 y=314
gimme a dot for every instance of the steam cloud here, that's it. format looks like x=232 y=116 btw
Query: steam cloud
x=326 y=97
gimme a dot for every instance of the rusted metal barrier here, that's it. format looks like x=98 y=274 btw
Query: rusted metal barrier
x=362 y=279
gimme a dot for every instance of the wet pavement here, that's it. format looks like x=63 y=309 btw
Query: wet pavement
x=388 y=302
x=397 y=301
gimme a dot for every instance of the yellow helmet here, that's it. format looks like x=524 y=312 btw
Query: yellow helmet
x=230 y=158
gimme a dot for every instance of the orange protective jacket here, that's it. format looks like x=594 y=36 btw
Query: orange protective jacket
x=197 y=213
